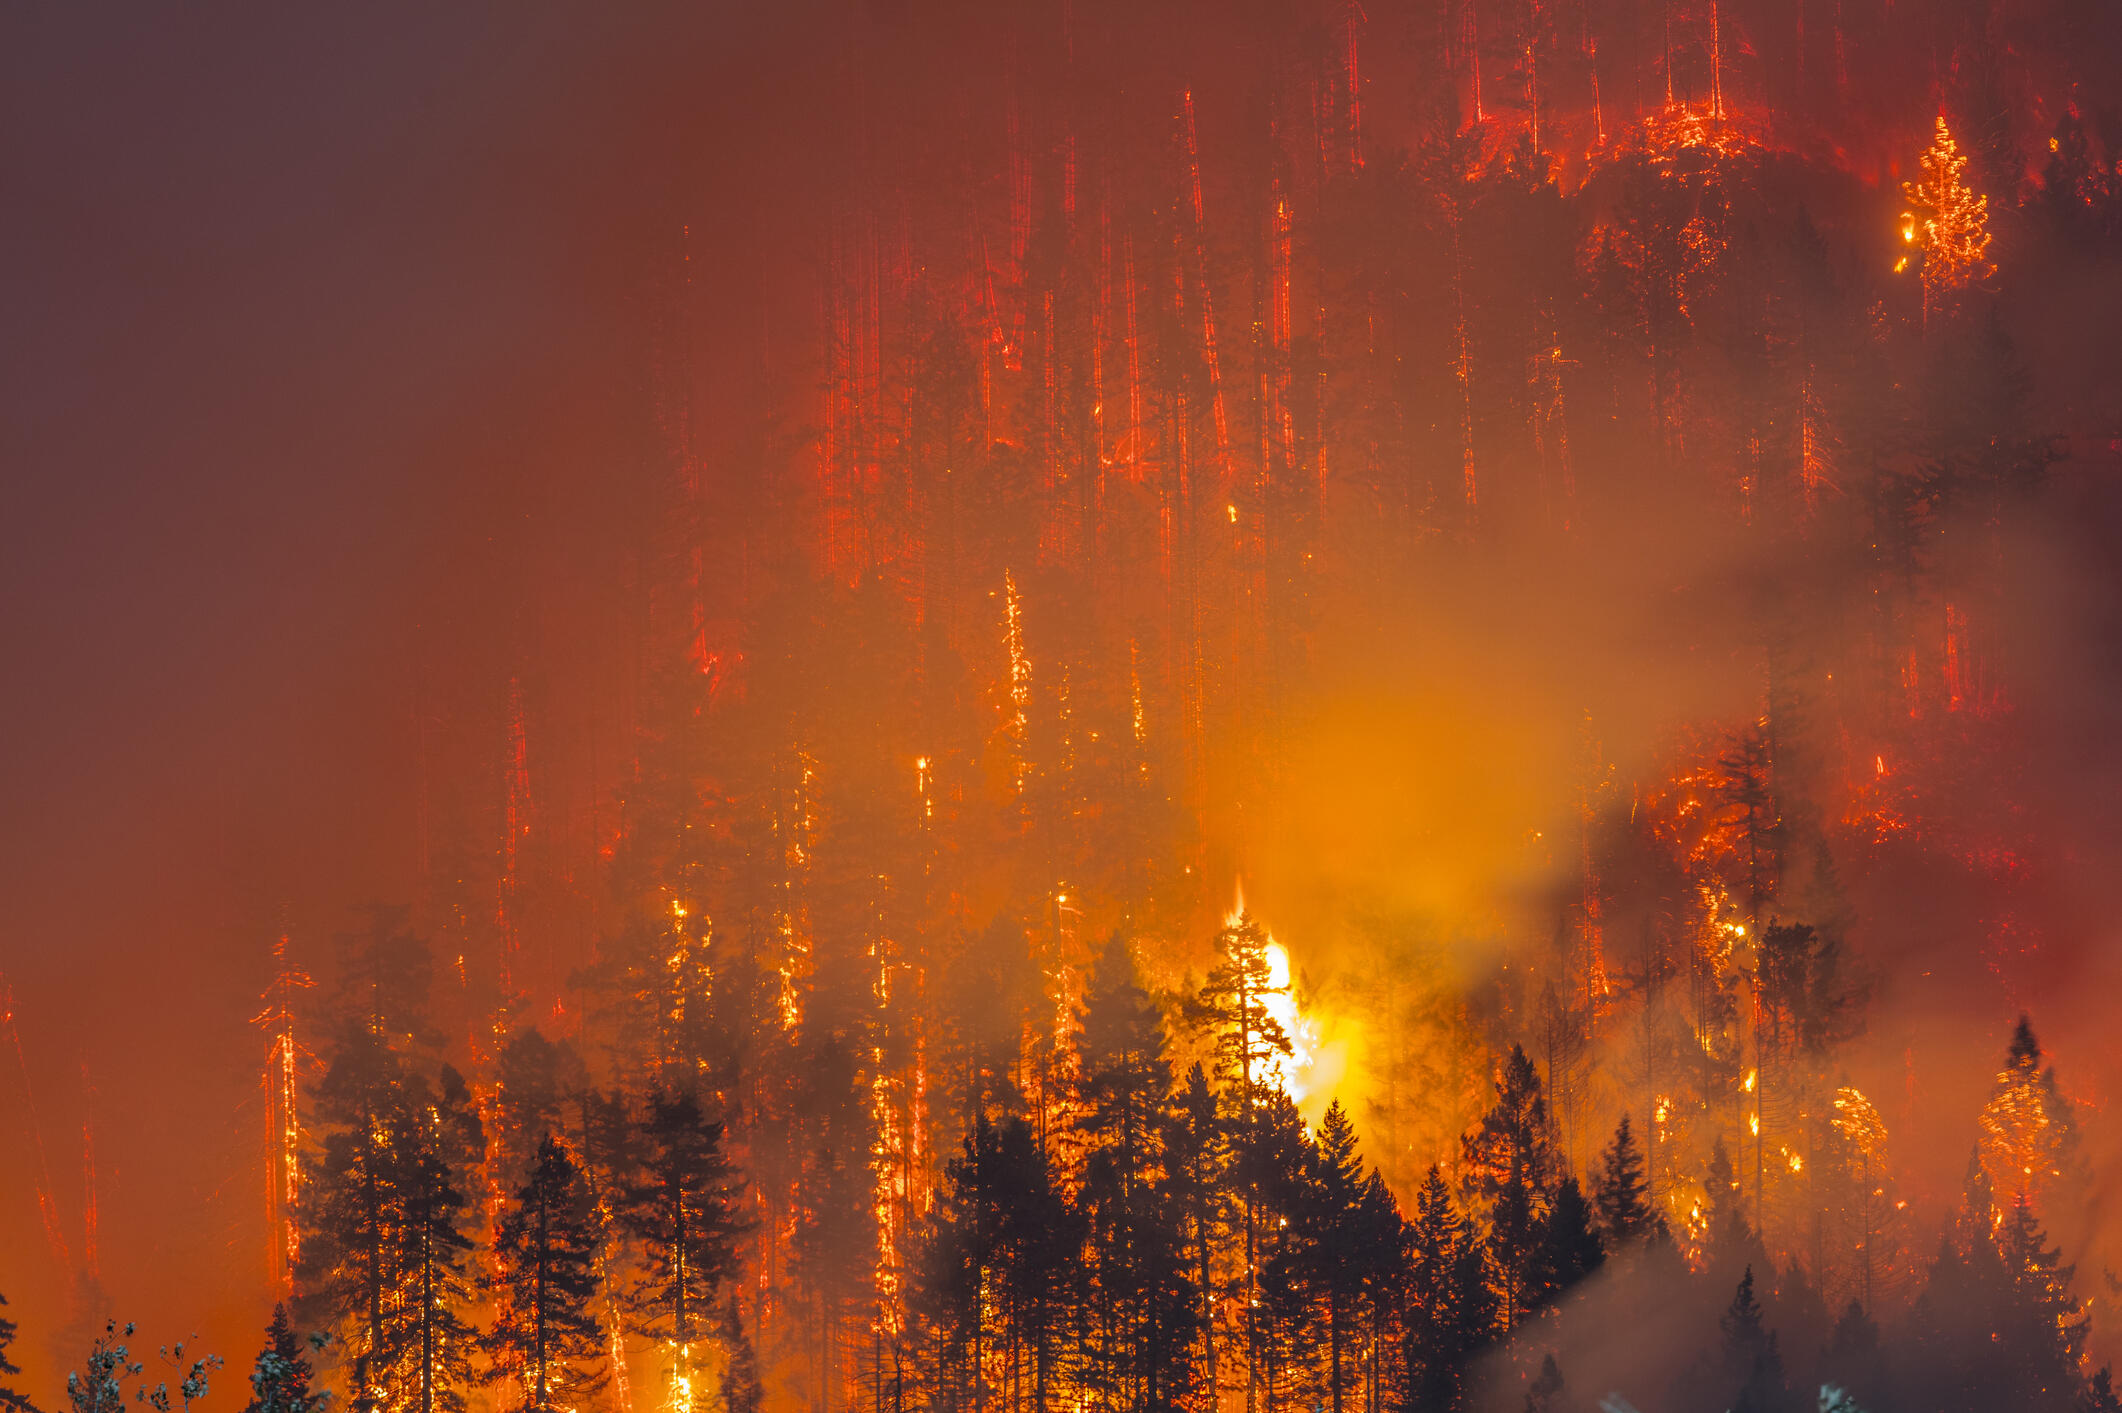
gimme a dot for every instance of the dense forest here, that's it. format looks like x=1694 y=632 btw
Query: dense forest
x=1035 y=934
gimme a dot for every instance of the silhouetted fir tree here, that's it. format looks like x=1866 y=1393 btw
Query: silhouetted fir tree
x=2046 y=1325
x=547 y=1333
x=960 y=1258
x=1144 y=1308
x=280 y=1377
x=1277 y=1163
x=1196 y=1155
x=1249 y=1042
x=1510 y=1166
x=1545 y=1394
x=1346 y=1249
x=2099 y=1394
x=11 y=1400
x=996 y=1278
x=1043 y=1277
x=1852 y=1357
x=430 y=1338
x=1126 y=1078
x=1449 y=1310
x=352 y=1215
x=2029 y=1136
x=1569 y=1248
x=739 y=1390
x=1752 y=1365
x=680 y=1207
x=1619 y=1192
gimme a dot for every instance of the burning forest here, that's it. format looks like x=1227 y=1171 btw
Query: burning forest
x=1066 y=708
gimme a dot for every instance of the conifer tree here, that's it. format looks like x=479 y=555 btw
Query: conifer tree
x=429 y=1335
x=1948 y=221
x=546 y=1334
x=1569 y=1248
x=740 y=1390
x=1510 y=1164
x=280 y=1378
x=1545 y=1394
x=1450 y=1310
x=1620 y=1191
x=681 y=1209
x=1347 y=1251
x=11 y=1401
x=1196 y=1155
x=2045 y=1330
x=2029 y=1134
x=1144 y=1304
x=1753 y=1366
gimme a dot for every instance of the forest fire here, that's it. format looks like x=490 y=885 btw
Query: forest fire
x=1596 y=522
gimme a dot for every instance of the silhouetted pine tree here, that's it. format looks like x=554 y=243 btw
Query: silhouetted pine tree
x=1619 y=1191
x=1569 y=1248
x=428 y=1335
x=280 y=1377
x=1510 y=1165
x=680 y=1208
x=547 y=1334
x=740 y=1390
x=1449 y=1309
x=11 y=1401
x=1144 y=1310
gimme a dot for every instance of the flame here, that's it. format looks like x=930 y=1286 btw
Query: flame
x=1293 y=1075
x=681 y=1382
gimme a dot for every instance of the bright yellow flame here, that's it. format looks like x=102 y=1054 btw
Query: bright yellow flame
x=1753 y=1123
x=681 y=1382
x=1291 y=1074
x=1751 y=1076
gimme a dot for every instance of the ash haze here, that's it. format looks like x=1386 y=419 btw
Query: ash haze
x=799 y=561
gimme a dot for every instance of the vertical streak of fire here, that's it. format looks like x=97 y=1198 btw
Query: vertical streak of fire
x=282 y=1117
x=1471 y=37
x=46 y=1207
x=1353 y=20
x=1020 y=680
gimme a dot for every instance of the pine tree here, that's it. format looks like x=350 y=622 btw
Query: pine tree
x=1144 y=1304
x=1753 y=1366
x=428 y=1333
x=11 y=1401
x=1569 y=1248
x=546 y=1334
x=1449 y=1311
x=1948 y=222
x=1619 y=1192
x=2046 y=1327
x=681 y=1208
x=1196 y=1156
x=1545 y=1395
x=740 y=1390
x=2029 y=1139
x=1346 y=1252
x=280 y=1378
x=1510 y=1163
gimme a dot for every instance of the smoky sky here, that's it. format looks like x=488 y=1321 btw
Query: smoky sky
x=316 y=316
